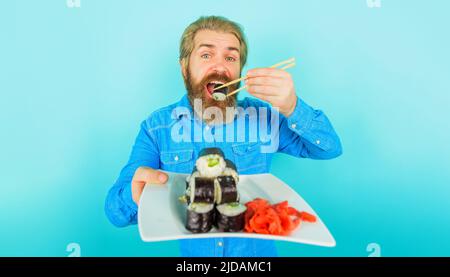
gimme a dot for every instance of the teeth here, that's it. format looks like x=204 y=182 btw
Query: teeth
x=217 y=82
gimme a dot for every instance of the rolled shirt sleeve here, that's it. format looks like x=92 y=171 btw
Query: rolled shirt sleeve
x=120 y=208
x=308 y=133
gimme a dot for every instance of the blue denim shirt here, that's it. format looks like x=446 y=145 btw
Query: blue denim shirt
x=306 y=133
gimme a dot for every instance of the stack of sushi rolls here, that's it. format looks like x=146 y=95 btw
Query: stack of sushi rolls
x=212 y=195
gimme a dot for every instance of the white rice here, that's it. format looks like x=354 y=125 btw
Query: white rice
x=200 y=208
x=231 y=209
x=218 y=96
x=211 y=172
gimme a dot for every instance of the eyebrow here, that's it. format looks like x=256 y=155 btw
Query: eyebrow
x=230 y=48
x=233 y=49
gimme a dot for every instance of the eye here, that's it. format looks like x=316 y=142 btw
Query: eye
x=230 y=59
x=205 y=56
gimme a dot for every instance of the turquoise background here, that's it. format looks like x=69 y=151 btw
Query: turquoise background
x=76 y=82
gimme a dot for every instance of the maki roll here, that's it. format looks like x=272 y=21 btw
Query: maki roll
x=210 y=162
x=230 y=217
x=200 y=217
x=226 y=190
x=230 y=170
x=202 y=190
x=220 y=94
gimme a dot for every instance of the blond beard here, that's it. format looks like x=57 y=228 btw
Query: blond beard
x=213 y=115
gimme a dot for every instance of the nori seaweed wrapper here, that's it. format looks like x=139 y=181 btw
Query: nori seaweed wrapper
x=204 y=191
x=199 y=222
x=230 y=164
x=230 y=223
x=210 y=151
x=228 y=189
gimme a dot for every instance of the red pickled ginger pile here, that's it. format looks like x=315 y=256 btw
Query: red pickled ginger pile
x=279 y=219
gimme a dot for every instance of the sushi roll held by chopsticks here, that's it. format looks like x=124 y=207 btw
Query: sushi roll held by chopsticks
x=219 y=94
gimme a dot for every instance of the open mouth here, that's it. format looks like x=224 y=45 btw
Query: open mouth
x=219 y=94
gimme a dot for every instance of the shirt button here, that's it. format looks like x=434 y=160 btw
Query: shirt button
x=294 y=125
x=176 y=158
x=317 y=141
x=220 y=243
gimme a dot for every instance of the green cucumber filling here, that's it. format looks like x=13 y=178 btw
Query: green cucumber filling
x=213 y=162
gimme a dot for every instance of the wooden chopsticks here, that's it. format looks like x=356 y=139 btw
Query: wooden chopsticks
x=287 y=64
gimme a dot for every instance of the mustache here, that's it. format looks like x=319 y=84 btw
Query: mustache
x=215 y=77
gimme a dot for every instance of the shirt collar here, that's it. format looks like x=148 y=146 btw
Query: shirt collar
x=183 y=107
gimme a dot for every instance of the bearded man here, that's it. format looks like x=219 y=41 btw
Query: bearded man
x=213 y=50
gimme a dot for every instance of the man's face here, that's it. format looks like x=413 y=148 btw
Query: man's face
x=215 y=58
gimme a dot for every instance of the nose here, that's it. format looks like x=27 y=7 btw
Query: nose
x=219 y=67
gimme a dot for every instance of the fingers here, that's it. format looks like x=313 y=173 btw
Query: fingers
x=142 y=176
x=150 y=175
x=268 y=98
x=136 y=190
x=272 y=85
x=270 y=81
x=262 y=89
x=277 y=81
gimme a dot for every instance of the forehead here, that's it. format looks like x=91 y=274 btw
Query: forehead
x=217 y=39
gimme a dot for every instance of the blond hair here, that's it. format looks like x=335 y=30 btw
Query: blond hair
x=213 y=23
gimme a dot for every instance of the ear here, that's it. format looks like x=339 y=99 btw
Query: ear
x=183 y=67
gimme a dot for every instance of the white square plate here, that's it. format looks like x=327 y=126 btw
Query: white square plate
x=162 y=216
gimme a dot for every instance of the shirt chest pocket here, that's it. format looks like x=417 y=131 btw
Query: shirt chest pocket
x=180 y=161
x=249 y=159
